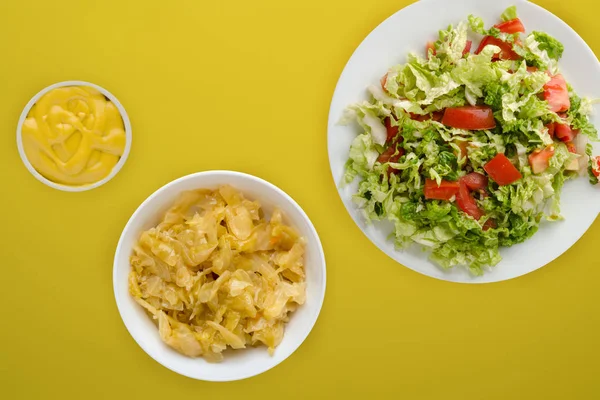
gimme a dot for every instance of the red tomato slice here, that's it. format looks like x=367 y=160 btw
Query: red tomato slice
x=540 y=159
x=445 y=191
x=551 y=128
x=475 y=181
x=564 y=132
x=469 y=117
x=571 y=147
x=467 y=48
x=506 y=51
x=512 y=26
x=392 y=131
x=484 y=42
x=596 y=167
x=467 y=203
x=557 y=94
x=501 y=170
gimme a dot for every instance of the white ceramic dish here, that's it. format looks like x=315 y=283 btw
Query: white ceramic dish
x=59 y=186
x=238 y=364
x=408 y=30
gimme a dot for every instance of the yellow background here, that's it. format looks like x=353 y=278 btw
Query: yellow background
x=246 y=85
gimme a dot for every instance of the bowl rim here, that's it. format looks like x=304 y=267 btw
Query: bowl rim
x=60 y=186
x=312 y=231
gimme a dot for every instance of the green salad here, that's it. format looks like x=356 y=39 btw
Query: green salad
x=466 y=150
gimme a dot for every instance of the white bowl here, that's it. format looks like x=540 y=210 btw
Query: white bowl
x=59 y=186
x=238 y=364
x=408 y=30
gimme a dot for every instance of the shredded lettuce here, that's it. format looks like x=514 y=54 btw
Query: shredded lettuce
x=578 y=114
x=477 y=25
x=509 y=14
x=361 y=158
x=550 y=45
x=541 y=50
x=475 y=72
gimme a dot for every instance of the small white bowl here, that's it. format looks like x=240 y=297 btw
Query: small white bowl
x=237 y=364
x=59 y=186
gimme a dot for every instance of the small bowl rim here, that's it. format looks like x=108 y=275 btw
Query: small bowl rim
x=312 y=231
x=60 y=186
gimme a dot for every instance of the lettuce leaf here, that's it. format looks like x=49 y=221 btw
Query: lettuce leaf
x=509 y=14
x=578 y=114
x=361 y=158
x=541 y=50
x=477 y=25
x=550 y=45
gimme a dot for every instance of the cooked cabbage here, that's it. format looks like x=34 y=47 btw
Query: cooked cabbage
x=214 y=273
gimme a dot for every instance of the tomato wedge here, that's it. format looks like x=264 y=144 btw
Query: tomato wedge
x=466 y=202
x=469 y=117
x=564 y=132
x=467 y=48
x=506 y=51
x=392 y=131
x=540 y=159
x=445 y=191
x=512 y=26
x=464 y=199
x=501 y=170
x=556 y=94
x=475 y=181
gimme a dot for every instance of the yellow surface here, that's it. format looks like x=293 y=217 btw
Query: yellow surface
x=384 y=331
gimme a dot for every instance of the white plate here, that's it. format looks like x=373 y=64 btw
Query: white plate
x=408 y=30
x=237 y=364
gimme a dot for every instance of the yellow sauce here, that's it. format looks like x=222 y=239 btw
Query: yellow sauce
x=74 y=135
